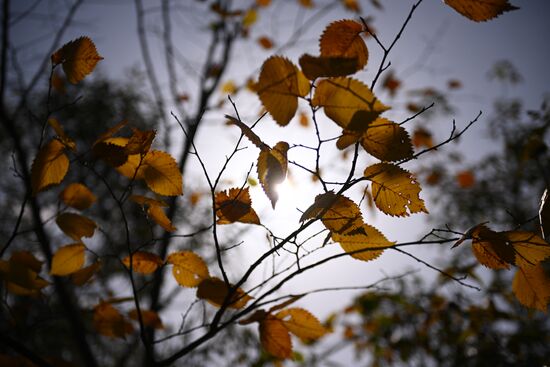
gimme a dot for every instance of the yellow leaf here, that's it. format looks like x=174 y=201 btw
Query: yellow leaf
x=156 y=213
x=150 y=318
x=139 y=142
x=189 y=268
x=387 y=141
x=145 y=201
x=250 y=18
x=78 y=57
x=275 y=338
x=108 y=321
x=529 y=248
x=304 y=119
x=68 y=259
x=272 y=168
x=480 y=10
x=366 y=238
x=348 y=102
x=302 y=323
x=229 y=87
x=77 y=196
x=61 y=135
x=395 y=191
x=531 y=285
x=279 y=86
x=235 y=206
x=214 y=290
x=75 y=225
x=49 y=166
x=83 y=275
x=343 y=39
x=162 y=174
x=143 y=262
x=341 y=215
x=317 y=67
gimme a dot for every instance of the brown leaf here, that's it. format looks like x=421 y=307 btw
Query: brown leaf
x=77 y=196
x=78 y=57
x=235 y=205
x=387 y=141
x=75 y=225
x=275 y=338
x=272 y=169
x=343 y=39
x=480 y=10
x=108 y=321
x=214 y=290
x=150 y=318
x=365 y=238
x=341 y=214
x=317 y=67
x=143 y=262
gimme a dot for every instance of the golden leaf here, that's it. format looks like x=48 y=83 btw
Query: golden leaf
x=529 y=248
x=143 y=262
x=139 y=142
x=348 y=102
x=108 y=321
x=229 y=87
x=146 y=201
x=272 y=168
x=341 y=215
x=301 y=323
x=235 y=206
x=279 y=86
x=162 y=174
x=149 y=318
x=531 y=285
x=365 y=238
x=491 y=248
x=480 y=10
x=156 y=213
x=275 y=338
x=394 y=190
x=387 y=141
x=77 y=196
x=189 y=268
x=343 y=39
x=250 y=18
x=83 y=275
x=75 y=225
x=317 y=67
x=68 y=259
x=49 y=166
x=214 y=290
x=78 y=57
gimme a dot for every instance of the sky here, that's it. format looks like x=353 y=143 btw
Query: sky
x=438 y=45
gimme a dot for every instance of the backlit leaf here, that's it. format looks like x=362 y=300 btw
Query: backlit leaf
x=77 y=196
x=343 y=39
x=247 y=131
x=214 y=290
x=275 y=338
x=108 y=321
x=387 y=141
x=531 y=285
x=317 y=67
x=143 y=262
x=156 y=213
x=341 y=215
x=480 y=10
x=162 y=174
x=491 y=248
x=367 y=237
x=150 y=318
x=78 y=58
x=279 y=86
x=68 y=259
x=301 y=323
x=394 y=190
x=49 y=166
x=529 y=248
x=348 y=102
x=235 y=205
x=139 y=142
x=272 y=168
x=189 y=268
x=61 y=135
x=75 y=225
x=83 y=275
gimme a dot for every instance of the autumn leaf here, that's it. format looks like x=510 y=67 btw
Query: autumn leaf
x=75 y=225
x=247 y=131
x=348 y=102
x=214 y=290
x=49 y=166
x=108 y=321
x=61 y=135
x=189 y=268
x=156 y=213
x=365 y=238
x=422 y=138
x=529 y=248
x=78 y=58
x=143 y=262
x=229 y=87
x=162 y=174
x=343 y=39
x=150 y=318
x=83 y=275
x=265 y=42
x=391 y=83
x=301 y=323
x=272 y=168
x=303 y=119
x=68 y=259
x=275 y=338
x=77 y=196
x=20 y=274
x=279 y=86
x=317 y=67
x=387 y=141
x=341 y=214
x=480 y=10
x=140 y=142
x=465 y=179
x=531 y=286
x=26 y=259
x=489 y=247
x=147 y=201
x=395 y=191
x=235 y=205
x=250 y=18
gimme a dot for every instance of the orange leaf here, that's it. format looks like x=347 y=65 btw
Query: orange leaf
x=279 y=86
x=465 y=179
x=156 y=213
x=302 y=323
x=77 y=196
x=265 y=42
x=150 y=318
x=75 y=225
x=189 y=268
x=490 y=248
x=391 y=83
x=480 y=10
x=343 y=39
x=316 y=67
x=108 y=321
x=275 y=338
x=531 y=285
x=146 y=201
x=49 y=166
x=143 y=262
x=272 y=168
x=78 y=57
x=214 y=290
x=235 y=206
x=68 y=259
x=139 y=142
x=422 y=137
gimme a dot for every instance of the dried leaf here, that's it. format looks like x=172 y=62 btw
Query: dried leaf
x=68 y=259
x=146 y=201
x=77 y=196
x=214 y=290
x=143 y=262
x=49 y=166
x=189 y=268
x=343 y=39
x=75 y=225
x=139 y=142
x=480 y=10
x=247 y=131
x=491 y=248
x=235 y=205
x=465 y=179
x=317 y=67
x=275 y=338
x=265 y=42
x=21 y=276
x=78 y=58
x=61 y=135
x=301 y=323
x=272 y=168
